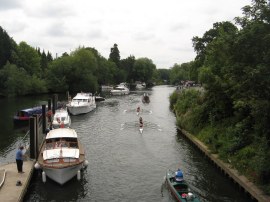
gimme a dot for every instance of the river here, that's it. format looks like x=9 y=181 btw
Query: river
x=124 y=165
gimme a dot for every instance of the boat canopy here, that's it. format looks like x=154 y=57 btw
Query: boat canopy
x=61 y=153
x=61 y=133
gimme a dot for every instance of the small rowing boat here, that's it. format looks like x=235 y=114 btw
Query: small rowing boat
x=179 y=188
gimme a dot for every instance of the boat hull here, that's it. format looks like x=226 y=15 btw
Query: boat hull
x=62 y=175
x=116 y=92
x=76 y=110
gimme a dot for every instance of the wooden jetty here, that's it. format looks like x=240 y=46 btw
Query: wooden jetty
x=9 y=190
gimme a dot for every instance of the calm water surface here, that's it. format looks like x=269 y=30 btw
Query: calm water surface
x=125 y=165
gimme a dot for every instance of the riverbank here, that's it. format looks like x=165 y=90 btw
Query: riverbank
x=226 y=168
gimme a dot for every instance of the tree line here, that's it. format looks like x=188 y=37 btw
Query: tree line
x=27 y=70
x=231 y=114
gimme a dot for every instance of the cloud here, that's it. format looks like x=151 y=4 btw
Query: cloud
x=159 y=30
x=55 y=10
x=9 y=4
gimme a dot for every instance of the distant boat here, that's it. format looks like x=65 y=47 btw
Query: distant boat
x=145 y=98
x=62 y=156
x=82 y=103
x=179 y=188
x=140 y=86
x=105 y=88
x=22 y=117
x=61 y=119
x=99 y=98
x=120 y=89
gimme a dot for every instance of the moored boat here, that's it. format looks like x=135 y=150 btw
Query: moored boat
x=82 y=103
x=61 y=119
x=62 y=155
x=22 y=117
x=179 y=188
x=120 y=89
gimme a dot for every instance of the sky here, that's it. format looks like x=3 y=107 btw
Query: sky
x=161 y=30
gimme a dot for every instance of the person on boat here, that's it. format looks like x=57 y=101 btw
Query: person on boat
x=141 y=122
x=179 y=175
x=138 y=109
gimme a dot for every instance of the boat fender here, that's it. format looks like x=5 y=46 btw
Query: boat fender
x=43 y=177
x=37 y=166
x=79 y=175
x=85 y=163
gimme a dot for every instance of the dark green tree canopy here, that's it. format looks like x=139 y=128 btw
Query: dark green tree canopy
x=115 y=55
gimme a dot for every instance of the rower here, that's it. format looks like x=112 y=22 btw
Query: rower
x=179 y=175
x=141 y=122
x=138 y=109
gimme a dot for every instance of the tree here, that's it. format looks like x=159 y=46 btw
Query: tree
x=5 y=47
x=29 y=59
x=115 y=55
x=128 y=65
x=14 y=81
x=144 y=70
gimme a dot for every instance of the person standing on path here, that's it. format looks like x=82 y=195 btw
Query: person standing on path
x=19 y=159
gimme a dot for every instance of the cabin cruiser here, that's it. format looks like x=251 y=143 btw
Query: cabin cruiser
x=61 y=119
x=62 y=156
x=120 y=89
x=82 y=103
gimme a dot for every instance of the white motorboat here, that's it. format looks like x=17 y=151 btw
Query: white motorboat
x=120 y=89
x=82 y=103
x=140 y=86
x=62 y=156
x=61 y=119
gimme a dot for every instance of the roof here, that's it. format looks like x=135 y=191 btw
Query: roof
x=83 y=95
x=62 y=132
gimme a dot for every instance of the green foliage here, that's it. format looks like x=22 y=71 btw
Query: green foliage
x=144 y=70
x=29 y=59
x=6 y=47
x=14 y=80
x=115 y=55
x=233 y=115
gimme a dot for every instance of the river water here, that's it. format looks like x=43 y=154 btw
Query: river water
x=124 y=165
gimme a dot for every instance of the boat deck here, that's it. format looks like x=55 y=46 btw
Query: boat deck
x=81 y=157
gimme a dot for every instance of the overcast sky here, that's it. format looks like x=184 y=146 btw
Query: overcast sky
x=160 y=30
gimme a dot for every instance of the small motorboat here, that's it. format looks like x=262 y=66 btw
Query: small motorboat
x=120 y=89
x=82 y=103
x=179 y=188
x=61 y=119
x=62 y=156
x=99 y=98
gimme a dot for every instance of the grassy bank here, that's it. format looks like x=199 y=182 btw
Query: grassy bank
x=229 y=136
